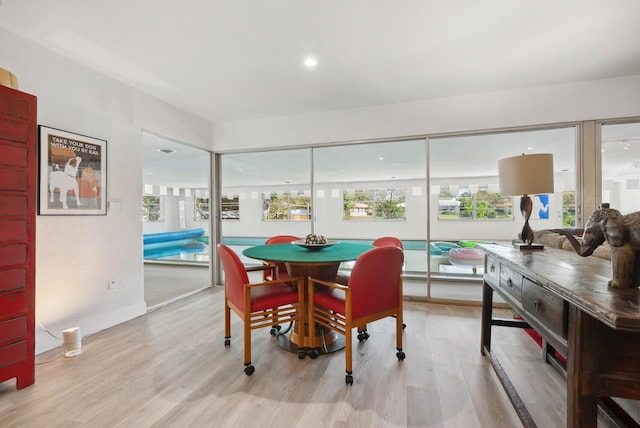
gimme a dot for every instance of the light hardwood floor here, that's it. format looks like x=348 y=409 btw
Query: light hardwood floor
x=165 y=282
x=169 y=368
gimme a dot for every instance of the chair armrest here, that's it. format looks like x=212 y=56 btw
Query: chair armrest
x=260 y=267
x=289 y=280
x=328 y=284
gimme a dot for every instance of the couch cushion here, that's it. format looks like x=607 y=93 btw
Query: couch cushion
x=552 y=239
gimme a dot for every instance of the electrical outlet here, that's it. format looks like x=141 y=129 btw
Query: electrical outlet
x=112 y=283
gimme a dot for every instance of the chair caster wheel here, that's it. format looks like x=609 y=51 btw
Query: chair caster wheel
x=348 y=379
x=275 y=330
x=363 y=335
x=400 y=355
x=313 y=354
x=301 y=354
x=227 y=343
x=248 y=370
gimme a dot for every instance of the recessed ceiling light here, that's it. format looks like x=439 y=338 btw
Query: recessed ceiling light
x=310 y=62
x=529 y=148
x=166 y=151
x=380 y=158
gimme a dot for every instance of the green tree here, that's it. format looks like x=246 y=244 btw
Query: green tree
x=569 y=209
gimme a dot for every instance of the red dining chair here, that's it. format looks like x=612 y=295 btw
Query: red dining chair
x=387 y=240
x=261 y=304
x=343 y=277
x=267 y=275
x=374 y=292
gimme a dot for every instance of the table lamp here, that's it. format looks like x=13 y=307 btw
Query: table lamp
x=523 y=176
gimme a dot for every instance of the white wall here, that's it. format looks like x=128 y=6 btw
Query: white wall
x=599 y=99
x=76 y=255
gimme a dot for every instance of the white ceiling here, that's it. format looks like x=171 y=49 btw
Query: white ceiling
x=231 y=60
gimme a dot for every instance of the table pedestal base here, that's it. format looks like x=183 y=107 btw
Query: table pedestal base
x=332 y=342
x=326 y=340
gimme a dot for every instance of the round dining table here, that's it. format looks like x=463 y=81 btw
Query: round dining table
x=318 y=262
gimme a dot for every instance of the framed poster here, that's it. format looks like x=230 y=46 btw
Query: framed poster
x=73 y=173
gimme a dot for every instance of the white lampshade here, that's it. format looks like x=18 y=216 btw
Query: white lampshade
x=526 y=174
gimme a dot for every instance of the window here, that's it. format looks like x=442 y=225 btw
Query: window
x=621 y=166
x=284 y=206
x=230 y=208
x=374 y=204
x=152 y=208
x=569 y=208
x=201 y=209
x=456 y=203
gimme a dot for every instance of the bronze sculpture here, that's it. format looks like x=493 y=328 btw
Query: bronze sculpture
x=622 y=233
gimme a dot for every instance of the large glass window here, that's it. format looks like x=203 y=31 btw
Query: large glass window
x=466 y=205
x=621 y=166
x=264 y=194
x=359 y=192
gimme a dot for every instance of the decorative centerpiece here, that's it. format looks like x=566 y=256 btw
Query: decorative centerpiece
x=622 y=232
x=313 y=239
x=314 y=242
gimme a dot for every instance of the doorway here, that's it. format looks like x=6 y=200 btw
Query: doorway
x=175 y=219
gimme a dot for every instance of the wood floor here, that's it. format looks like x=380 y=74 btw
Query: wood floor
x=165 y=282
x=169 y=368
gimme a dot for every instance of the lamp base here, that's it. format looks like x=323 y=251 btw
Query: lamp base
x=526 y=247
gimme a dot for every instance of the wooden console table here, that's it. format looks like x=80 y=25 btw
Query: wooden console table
x=566 y=299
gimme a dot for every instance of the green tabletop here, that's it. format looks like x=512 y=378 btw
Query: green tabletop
x=291 y=253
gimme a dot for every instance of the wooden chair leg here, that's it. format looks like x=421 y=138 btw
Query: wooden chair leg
x=399 y=328
x=348 y=355
x=227 y=320
x=227 y=325
x=311 y=320
x=248 y=367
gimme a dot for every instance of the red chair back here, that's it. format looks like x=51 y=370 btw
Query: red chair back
x=388 y=240
x=375 y=281
x=235 y=275
x=282 y=268
x=281 y=239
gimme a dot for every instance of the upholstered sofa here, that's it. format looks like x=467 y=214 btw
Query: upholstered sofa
x=551 y=239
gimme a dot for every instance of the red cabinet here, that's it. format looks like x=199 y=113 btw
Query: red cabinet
x=18 y=176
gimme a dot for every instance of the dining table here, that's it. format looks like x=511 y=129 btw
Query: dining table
x=320 y=262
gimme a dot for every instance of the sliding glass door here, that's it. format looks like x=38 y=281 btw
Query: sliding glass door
x=264 y=194
x=438 y=195
x=620 y=149
x=466 y=206
x=365 y=191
